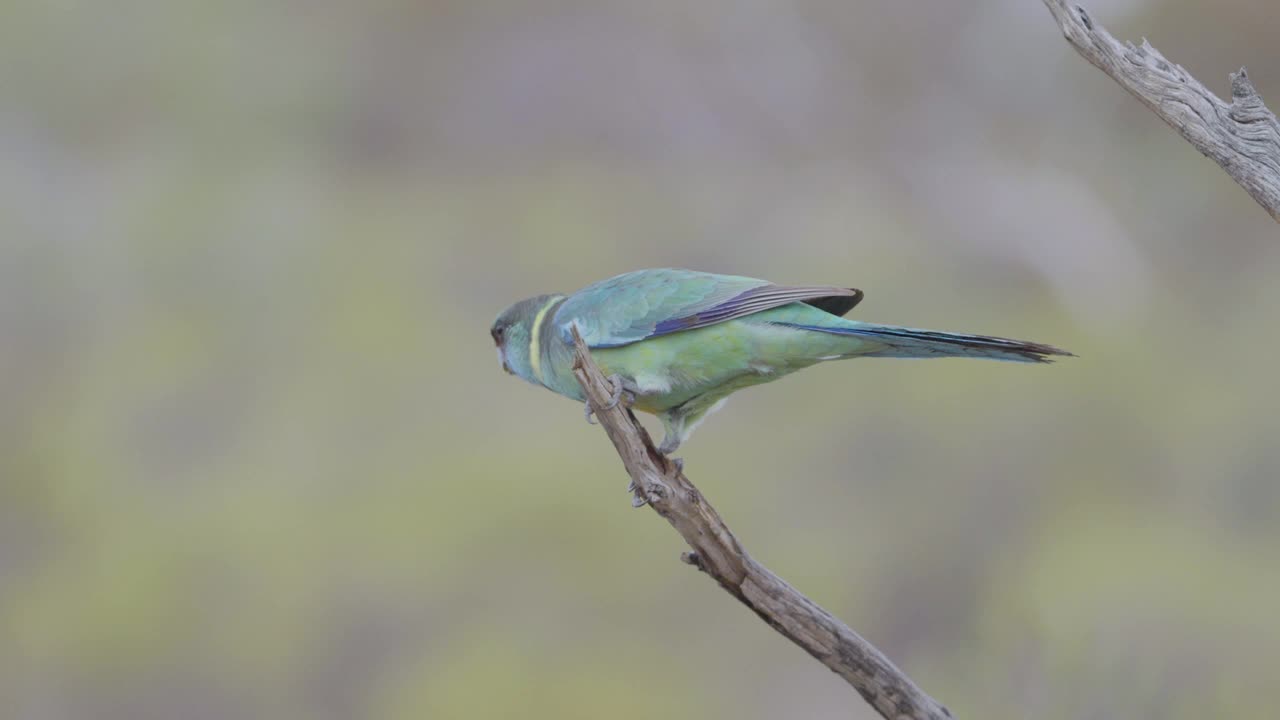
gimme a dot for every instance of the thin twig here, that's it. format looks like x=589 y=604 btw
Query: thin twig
x=661 y=483
x=1242 y=136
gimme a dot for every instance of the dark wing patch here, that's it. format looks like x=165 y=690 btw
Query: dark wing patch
x=829 y=299
x=837 y=305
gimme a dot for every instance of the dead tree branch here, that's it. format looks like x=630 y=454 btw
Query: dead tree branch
x=1243 y=136
x=661 y=483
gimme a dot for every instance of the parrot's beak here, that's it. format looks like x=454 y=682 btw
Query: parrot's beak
x=502 y=358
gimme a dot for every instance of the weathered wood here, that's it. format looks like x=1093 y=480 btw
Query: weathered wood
x=660 y=482
x=1242 y=136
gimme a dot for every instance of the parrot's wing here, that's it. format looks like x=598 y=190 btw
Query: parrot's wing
x=648 y=303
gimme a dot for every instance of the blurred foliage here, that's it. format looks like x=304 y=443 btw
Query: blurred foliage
x=257 y=460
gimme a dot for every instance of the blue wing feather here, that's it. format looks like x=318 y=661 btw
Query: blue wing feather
x=648 y=303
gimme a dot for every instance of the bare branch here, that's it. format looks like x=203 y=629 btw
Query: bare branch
x=661 y=483
x=1243 y=136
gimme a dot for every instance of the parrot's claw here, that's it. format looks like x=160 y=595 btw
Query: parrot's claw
x=620 y=393
x=669 y=444
x=637 y=500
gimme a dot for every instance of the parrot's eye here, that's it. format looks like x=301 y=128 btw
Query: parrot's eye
x=496 y=332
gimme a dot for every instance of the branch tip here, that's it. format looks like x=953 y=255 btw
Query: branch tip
x=1241 y=87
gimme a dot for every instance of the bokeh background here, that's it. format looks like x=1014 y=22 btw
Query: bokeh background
x=257 y=459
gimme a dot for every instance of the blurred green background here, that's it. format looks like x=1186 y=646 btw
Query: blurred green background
x=257 y=459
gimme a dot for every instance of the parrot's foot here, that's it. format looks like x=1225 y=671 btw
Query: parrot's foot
x=622 y=392
x=670 y=442
x=637 y=500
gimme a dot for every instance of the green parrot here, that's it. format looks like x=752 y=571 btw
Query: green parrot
x=677 y=343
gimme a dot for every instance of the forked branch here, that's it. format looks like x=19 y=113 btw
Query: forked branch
x=661 y=483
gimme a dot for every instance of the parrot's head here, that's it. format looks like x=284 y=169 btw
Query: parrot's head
x=513 y=333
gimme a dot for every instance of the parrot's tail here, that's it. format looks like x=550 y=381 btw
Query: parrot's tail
x=902 y=342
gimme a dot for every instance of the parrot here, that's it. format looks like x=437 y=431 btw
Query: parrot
x=676 y=343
